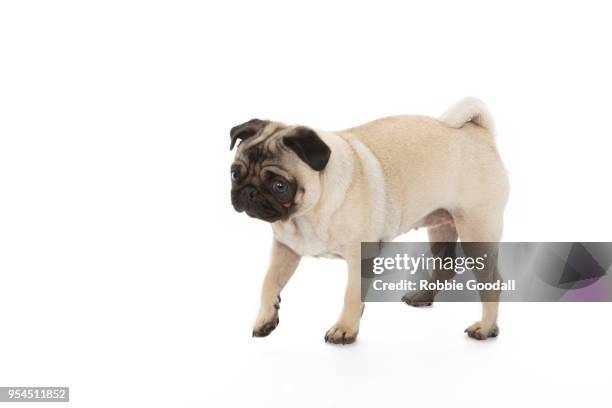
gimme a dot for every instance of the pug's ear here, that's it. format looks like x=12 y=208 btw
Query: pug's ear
x=309 y=147
x=246 y=130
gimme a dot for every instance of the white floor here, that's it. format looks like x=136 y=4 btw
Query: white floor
x=150 y=338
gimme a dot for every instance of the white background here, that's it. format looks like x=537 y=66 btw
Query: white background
x=126 y=275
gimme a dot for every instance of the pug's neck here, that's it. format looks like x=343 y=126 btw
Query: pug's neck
x=309 y=233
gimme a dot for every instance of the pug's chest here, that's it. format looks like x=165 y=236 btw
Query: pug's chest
x=305 y=238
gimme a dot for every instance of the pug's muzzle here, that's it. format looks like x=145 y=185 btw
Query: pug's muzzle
x=250 y=200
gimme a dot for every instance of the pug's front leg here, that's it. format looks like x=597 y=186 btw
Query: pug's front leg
x=346 y=328
x=283 y=263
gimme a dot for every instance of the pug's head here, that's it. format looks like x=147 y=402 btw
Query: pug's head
x=276 y=173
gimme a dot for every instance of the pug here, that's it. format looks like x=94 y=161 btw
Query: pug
x=325 y=192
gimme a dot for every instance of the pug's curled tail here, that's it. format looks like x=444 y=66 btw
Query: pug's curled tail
x=468 y=110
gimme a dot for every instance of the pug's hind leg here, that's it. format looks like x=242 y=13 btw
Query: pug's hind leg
x=346 y=328
x=283 y=263
x=480 y=232
x=442 y=241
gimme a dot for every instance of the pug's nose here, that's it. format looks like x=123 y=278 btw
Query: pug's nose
x=249 y=193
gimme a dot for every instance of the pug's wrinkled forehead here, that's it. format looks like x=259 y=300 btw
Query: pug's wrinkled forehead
x=262 y=140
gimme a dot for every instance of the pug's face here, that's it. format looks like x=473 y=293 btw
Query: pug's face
x=276 y=170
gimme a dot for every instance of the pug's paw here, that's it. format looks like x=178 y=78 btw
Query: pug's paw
x=265 y=326
x=419 y=299
x=267 y=320
x=479 y=331
x=342 y=333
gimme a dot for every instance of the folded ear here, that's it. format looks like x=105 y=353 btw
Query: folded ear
x=246 y=130
x=309 y=147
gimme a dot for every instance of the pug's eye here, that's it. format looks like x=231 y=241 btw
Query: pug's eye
x=279 y=187
x=235 y=174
